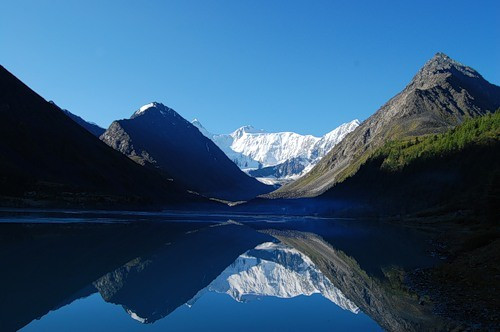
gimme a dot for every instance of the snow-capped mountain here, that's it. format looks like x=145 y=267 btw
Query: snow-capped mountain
x=274 y=269
x=276 y=157
x=224 y=142
x=158 y=137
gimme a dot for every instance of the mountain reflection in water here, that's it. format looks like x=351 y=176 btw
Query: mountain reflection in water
x=154 y=271
x=274 y=269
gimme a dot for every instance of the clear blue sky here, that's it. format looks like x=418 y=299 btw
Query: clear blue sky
x=304 y=66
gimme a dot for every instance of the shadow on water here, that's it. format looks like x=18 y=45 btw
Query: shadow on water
x=151 y=269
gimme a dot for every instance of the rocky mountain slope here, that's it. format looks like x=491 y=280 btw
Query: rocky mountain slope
x=276 y=157
x=441 y=95
x=454 y=171
x=47 y=157
x=156 y=136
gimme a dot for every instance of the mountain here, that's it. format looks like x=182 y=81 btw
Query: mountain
x=47 y=157
x=92 y=127
x=454 y=171
x=224 y=142
x=453 y=174
x=158 y=137
x=276 y=157
x=441 y=95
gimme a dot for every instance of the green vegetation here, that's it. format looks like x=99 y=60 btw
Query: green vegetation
x=482 y=130
x=452 y=172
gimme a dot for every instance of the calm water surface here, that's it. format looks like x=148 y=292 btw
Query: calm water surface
x=69 y=271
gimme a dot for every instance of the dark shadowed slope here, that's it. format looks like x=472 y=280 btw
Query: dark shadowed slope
x=159 y=137
x=440 y=96
x=92 y=127
x=44 y=155
x=455 y=171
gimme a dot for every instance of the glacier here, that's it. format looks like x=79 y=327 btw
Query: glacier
x=253 y=149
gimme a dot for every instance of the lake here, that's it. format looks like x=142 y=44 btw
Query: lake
x=74 y=271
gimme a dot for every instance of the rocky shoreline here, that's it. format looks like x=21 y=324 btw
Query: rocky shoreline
x=464 y=287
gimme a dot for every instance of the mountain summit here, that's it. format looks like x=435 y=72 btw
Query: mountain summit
x=155 y=108
x=157 y=136
x=439 y=66
x=440 y=96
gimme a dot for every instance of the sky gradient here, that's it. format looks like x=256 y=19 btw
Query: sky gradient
x=304 y=66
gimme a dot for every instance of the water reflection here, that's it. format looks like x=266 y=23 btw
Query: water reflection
x=151 y=287
x=386 y=300
x=277 y=270
x=152 y=270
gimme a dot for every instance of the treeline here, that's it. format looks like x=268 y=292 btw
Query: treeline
x=482 y=130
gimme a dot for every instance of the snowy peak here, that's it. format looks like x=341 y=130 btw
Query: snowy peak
x=197 y=124
x=235 y=134
x=154 y=108
x=338 y=133
x=289 y=154
x=273 y=148
x=346 y=127
x=202 y=129
x=246 y=130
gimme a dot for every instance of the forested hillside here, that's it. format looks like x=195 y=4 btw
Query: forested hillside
x=456 y=170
